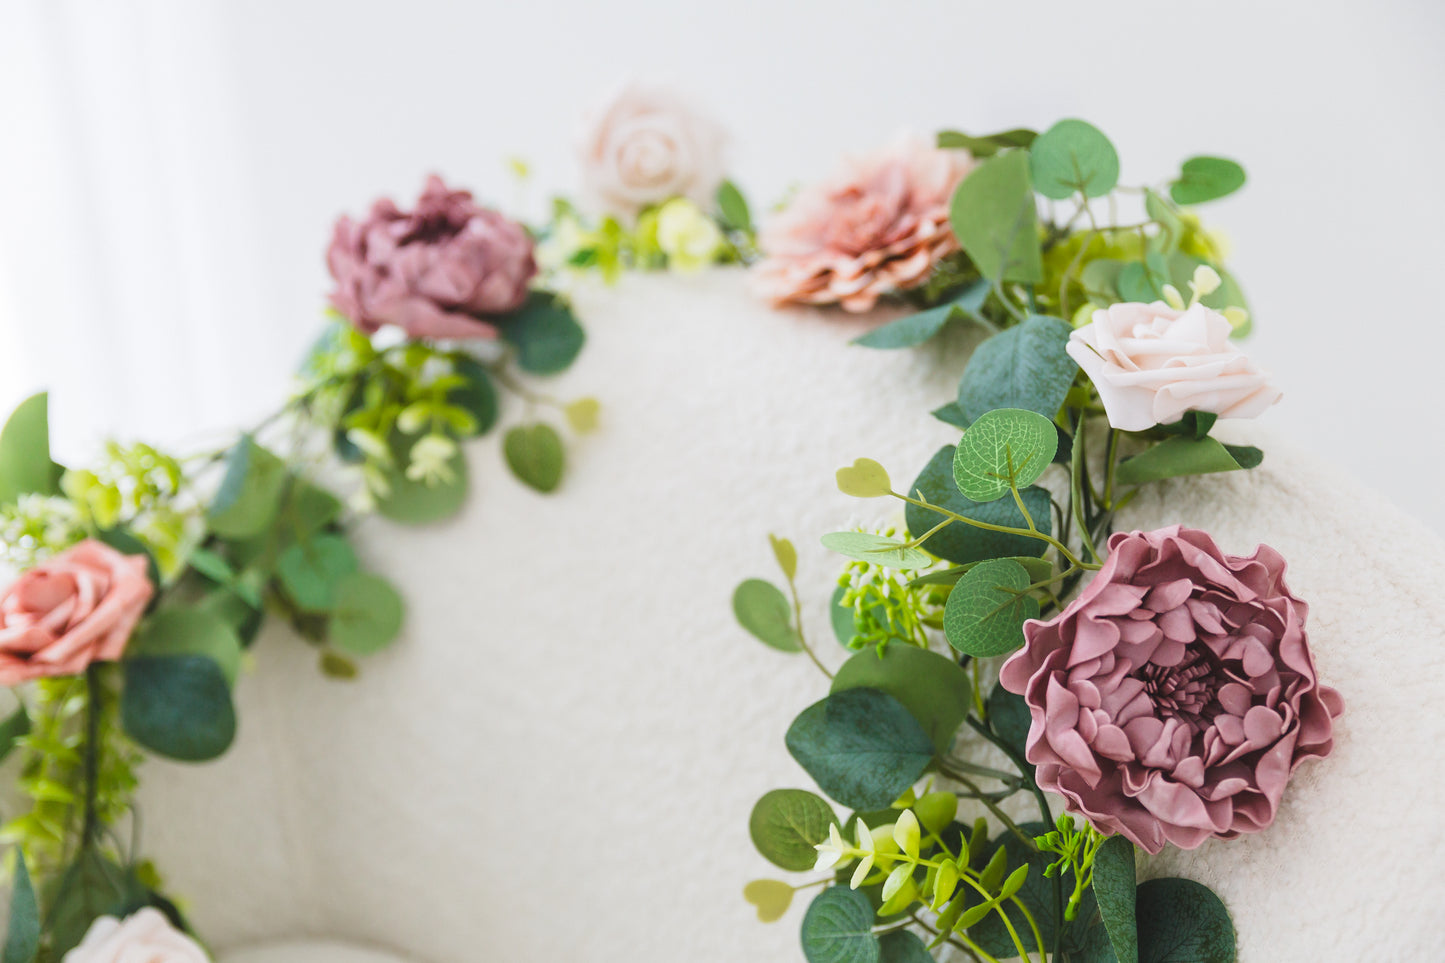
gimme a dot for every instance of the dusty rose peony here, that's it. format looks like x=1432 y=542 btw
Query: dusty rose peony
x=647 y=146
x=879 y=225
x=74 y=609
x=1152 y=363
x=1174 y=697
x=143 y=937
x=435 y=271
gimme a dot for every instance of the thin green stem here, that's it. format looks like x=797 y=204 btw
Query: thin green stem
x=802 y=638
x=1077 y=495
x=1058 y=546
x=990 y=805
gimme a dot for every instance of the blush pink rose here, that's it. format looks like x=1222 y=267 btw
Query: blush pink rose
x=878 y=225
x=1173 y=698
x=69 y=611
x=437 y=271
x=143 y=937
x=1152 y=363
x=646 y=146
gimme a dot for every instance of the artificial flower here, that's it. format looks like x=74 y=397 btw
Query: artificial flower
x=1172 y=700
x=437 y=271
x=1152 y=362
x=71 y=610
x=646 y=146
x=879 y=225
x=143 y=937
x=690 y=239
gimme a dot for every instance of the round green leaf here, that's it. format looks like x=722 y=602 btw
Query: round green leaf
x=762 y=609
x=865 y=478
x=994 y=217
x=250 y=491
x=478 y=396
x=1206 y=179
x=178 y=706
x=963 y=543
x=366 y=614
x=987 y=609
x=1028 y=366
x=417 y=503
x=862 y=747
x=534 y=453
x=1005 y=448
x=787 y=823
x=876 y=549
x=1073 y=156
x=544 y=332
x=934 y=689
x=772 y=897
x=309 y=571
x=189 y=631
x=838 y=928
x=1181 y=921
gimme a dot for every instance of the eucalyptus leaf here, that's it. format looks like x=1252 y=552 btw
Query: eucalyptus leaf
x=1073 y=156
x=876 y=550
x=838 y=928
x=1206 y=179
x=250 y=492
x=986 y=610
x=15 y=726
x=415 y=502
x=478 y=396
x=1181 y=921
x=189 y=631
x=772 y=898
x=865 y=478
x=1144 y=281
x=366 y=614
x=1010 y=719
x=862 y=747
x=1028 y=366
x=534 y=453
x=934 y=689
x=544 y=332
x=786 y=824
x=1177 y=456
x=960 y=542
x=915 y=329
x=22 y=938
x=178 y=706
x=127 y=544
x=786 y=555
x=91 y=887
x=309 y=571
x=733 y=207
x=995 y=219
x=902 y=946
x=25 y=464
x=1004 y=449
x=763 y=609
x=951 y=414
x=840 y=616
x=1114 y=887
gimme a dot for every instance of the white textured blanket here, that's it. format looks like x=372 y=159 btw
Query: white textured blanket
x=558 y=760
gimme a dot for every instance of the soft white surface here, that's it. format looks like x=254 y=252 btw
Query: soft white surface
x=310 y=952
x=558 y=759
x=169 y=169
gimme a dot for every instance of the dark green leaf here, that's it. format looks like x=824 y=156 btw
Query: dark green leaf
x=994 y=217
x=961 y=543
x=951 y=414
x=1194 y=424
x=91 y=888
x=733 y=207
x=534 y=453
x=1009 y=718
x=22 y=939
x=178 y=706
x=544 y=332
x=1205 y=179
x=1144 y=281
x=1178 y=456
x=862 y=747
x=1003 y=449
x=787 y=823
x=1114 y=889
x=935 y=690
x=1027 y=366
x=309 y=571
x=127 y=544
x=25 y=464
x=16 y=725
x=988 y=607
x=250 y=493
x=478 y=396
x=366 y=615
x=917 y=328
x=838 y=928
x=1181 y=921
x=902 y=946
x=189 y=631
x=989 y=144
x=841 y=617
x=763 y=609
x=1073 y=156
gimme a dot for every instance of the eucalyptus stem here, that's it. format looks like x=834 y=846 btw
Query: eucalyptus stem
x=1058 y=546
x=990 y=805
x=802 y=639
x=1077 y=494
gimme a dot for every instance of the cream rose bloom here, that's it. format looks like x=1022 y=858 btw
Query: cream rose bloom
x=143 y=937
x=1152 y=363
x=647 y=146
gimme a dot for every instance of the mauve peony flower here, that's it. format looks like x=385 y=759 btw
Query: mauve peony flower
x=1174 y=697
x=879 y=225
x=1152 y=363
x=143 y=937
x=646 y=146
x=436 y=271
x=69 y=611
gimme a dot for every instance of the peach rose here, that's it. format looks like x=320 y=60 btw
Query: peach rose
x=647 y=146
x=74 y=609
x=143 y=937
x=1152 y=363
x=879 y=225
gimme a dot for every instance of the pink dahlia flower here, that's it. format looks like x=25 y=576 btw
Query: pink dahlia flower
x=879 y=225
x=435 y=271
x=1174 y=697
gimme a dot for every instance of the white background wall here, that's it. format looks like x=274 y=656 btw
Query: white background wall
x=169 y=170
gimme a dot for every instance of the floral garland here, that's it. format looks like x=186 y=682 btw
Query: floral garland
x=1167 y=702
x=146 y=577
